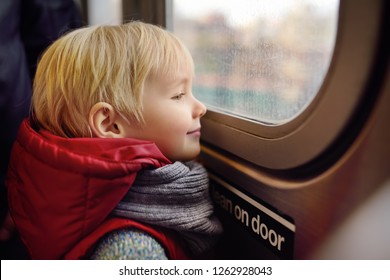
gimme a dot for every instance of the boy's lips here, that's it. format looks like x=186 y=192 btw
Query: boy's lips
x=194 y=132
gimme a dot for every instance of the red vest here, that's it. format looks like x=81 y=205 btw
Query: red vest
x=62 y=190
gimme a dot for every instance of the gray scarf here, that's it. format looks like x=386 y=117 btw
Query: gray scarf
x=176 y=197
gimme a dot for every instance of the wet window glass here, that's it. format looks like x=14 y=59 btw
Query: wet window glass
x=263 y=60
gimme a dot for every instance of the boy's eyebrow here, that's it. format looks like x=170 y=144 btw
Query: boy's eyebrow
x=183 y=80
x=179 y=81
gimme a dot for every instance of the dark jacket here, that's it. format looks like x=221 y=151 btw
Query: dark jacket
x=27 y=27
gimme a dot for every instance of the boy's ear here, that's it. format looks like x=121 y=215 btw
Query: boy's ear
x=105 y=121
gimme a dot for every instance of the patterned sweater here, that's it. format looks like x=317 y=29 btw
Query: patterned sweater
x=129 y=244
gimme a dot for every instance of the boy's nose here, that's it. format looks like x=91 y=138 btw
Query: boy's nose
x=199 y=108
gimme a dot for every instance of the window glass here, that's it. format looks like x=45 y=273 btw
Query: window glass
x=264 y=60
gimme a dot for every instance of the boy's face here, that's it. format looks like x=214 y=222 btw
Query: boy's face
x=172 y=117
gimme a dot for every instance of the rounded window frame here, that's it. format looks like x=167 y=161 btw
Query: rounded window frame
x=306 y=137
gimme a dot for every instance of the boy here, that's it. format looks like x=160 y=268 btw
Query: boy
x=103 y=167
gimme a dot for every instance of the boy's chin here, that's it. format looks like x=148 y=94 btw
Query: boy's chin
x=186 y=156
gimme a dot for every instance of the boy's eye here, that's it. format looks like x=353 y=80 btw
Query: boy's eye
x=178 y=96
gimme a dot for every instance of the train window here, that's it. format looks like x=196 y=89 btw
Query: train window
x=264 y=60
x=282 y=79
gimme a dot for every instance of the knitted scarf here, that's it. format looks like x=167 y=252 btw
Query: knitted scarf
x=176 y=197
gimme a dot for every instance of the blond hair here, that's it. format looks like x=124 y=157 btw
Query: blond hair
x=101 y=64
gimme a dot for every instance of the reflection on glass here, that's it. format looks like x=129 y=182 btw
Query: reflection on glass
x=263 y=60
